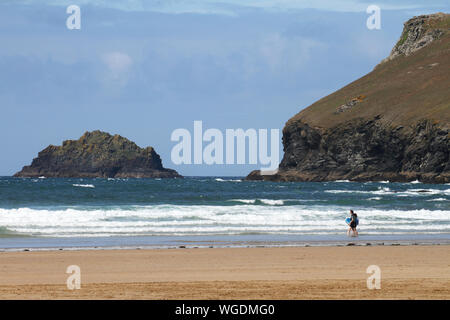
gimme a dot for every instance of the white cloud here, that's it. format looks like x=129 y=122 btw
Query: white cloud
x=287 y=53
x=231 y=7
x=118 y=69
x=117 y=62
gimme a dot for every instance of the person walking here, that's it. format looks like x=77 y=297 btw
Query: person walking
x=352 y=222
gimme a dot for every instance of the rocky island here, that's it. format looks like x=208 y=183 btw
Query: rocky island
x=98 y=154
x=392 y=124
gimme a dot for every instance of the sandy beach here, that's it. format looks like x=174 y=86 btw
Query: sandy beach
x=407 y=272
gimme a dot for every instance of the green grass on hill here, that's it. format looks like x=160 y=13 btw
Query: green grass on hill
x=403 y=90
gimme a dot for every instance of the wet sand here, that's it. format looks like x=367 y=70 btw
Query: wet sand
x=407 y=272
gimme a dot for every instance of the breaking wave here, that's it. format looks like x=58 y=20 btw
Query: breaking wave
x=84 y=185
x=211 y=220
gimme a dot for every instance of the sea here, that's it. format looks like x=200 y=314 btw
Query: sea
x=48 y=213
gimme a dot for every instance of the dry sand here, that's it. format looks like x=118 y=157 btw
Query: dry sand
x=407 y=272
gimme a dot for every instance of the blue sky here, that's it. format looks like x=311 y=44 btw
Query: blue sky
x=145 y=68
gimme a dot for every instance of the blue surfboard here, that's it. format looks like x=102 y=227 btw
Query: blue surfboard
x=348 y=220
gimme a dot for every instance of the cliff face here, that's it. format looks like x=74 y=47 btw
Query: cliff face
x=97 y=154
x=392 y=124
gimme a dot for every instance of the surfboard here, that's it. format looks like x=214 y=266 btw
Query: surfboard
x=348 y=220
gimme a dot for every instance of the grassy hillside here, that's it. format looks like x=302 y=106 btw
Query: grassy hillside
x=402 y=91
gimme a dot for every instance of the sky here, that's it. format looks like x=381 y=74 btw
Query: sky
x=143 y=69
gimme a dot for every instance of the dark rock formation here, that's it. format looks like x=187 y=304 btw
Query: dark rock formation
x=98 y=154
x=397 y=127
x=419 y=32
x=363 y=151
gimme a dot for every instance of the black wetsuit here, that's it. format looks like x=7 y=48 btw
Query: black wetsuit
x=353 y=221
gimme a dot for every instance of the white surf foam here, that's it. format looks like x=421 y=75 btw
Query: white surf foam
x=272 y=202
x=388 y=191
x=426 y=192
x=83 y=185
x=190 y=220
x=244 y=200
x=438 y=199
x=381 y=190
x=264 y=201
x=227 y=180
